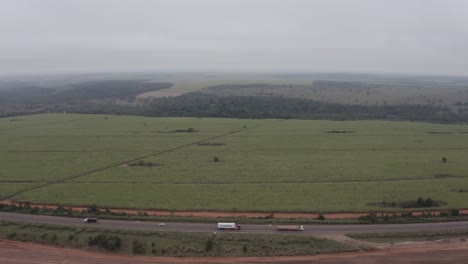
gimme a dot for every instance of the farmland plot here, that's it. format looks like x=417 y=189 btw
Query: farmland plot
x=234 y=164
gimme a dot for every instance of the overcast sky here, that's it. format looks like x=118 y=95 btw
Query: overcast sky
x=388 y=36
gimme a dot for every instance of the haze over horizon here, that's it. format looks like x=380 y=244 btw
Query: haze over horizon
x=410 y=37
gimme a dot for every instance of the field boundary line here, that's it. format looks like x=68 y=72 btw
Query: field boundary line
x=9 y=196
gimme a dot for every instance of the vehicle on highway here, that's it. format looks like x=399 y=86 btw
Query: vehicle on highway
x=290 y=228
x=161 y=224
x=90 y=220
x=229 y=226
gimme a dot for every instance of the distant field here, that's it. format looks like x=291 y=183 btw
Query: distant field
x=263 y=165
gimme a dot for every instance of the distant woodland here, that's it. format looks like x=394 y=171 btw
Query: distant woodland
x=231 y=101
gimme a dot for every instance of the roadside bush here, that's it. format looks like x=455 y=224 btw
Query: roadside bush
x=209 y=244
x=92 y=209
x=244 y=249
x=107 y=242
x=408 y=214
x=44 y=236
x=454 y=212
x=60 y=210
x=370 y=218
x=138 y=248
x=11 y=235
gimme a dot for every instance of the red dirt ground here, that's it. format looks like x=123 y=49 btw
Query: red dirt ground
x=434 y=252
x=228 y=214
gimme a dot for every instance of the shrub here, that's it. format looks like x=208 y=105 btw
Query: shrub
x=107 y=242
x=371 y=218
x=138 y=248
x=244 y=249
x=454 y=212
x=11 y=235
x=209 y=244
x=92 y=209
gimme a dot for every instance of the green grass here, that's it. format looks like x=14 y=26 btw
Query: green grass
x=303 y=197
x=265 y=165
x=176 y=243
x=7 y=188
x=408 y=236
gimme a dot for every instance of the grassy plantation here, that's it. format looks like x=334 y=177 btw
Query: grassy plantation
x=172 y=243
x=7 y=188
x=302 y=197
x=261 y=165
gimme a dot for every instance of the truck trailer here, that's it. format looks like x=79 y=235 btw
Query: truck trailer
x=290 y=228
x=228 y=226
x=90 y=220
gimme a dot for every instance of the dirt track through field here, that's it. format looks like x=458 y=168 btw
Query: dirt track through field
x=436 y=252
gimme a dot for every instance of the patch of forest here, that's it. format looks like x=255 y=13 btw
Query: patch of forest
x=96 y=90
x=204 y=105
x=198 y=104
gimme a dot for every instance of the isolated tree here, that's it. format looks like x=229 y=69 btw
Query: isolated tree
x=444 y=160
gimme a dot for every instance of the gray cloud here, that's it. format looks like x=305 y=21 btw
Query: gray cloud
x=403 y=36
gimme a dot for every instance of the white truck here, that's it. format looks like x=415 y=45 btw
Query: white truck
x=228 y=226
x=290 y=228
x=90 y=220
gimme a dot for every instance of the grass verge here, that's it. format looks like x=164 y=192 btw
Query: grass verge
x=171 y=243
x=408 y=236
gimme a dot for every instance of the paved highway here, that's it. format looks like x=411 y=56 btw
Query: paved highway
x=313 y=230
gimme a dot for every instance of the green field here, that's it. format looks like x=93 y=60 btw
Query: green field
x=264 y=165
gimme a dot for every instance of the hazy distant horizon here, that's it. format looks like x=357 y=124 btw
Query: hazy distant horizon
x=418 y=37
x=226 y=74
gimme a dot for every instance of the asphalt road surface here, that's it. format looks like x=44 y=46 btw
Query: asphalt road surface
x=313 y=230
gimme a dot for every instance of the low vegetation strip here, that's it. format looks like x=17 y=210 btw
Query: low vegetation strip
x=409 y=236
x=172 y=243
